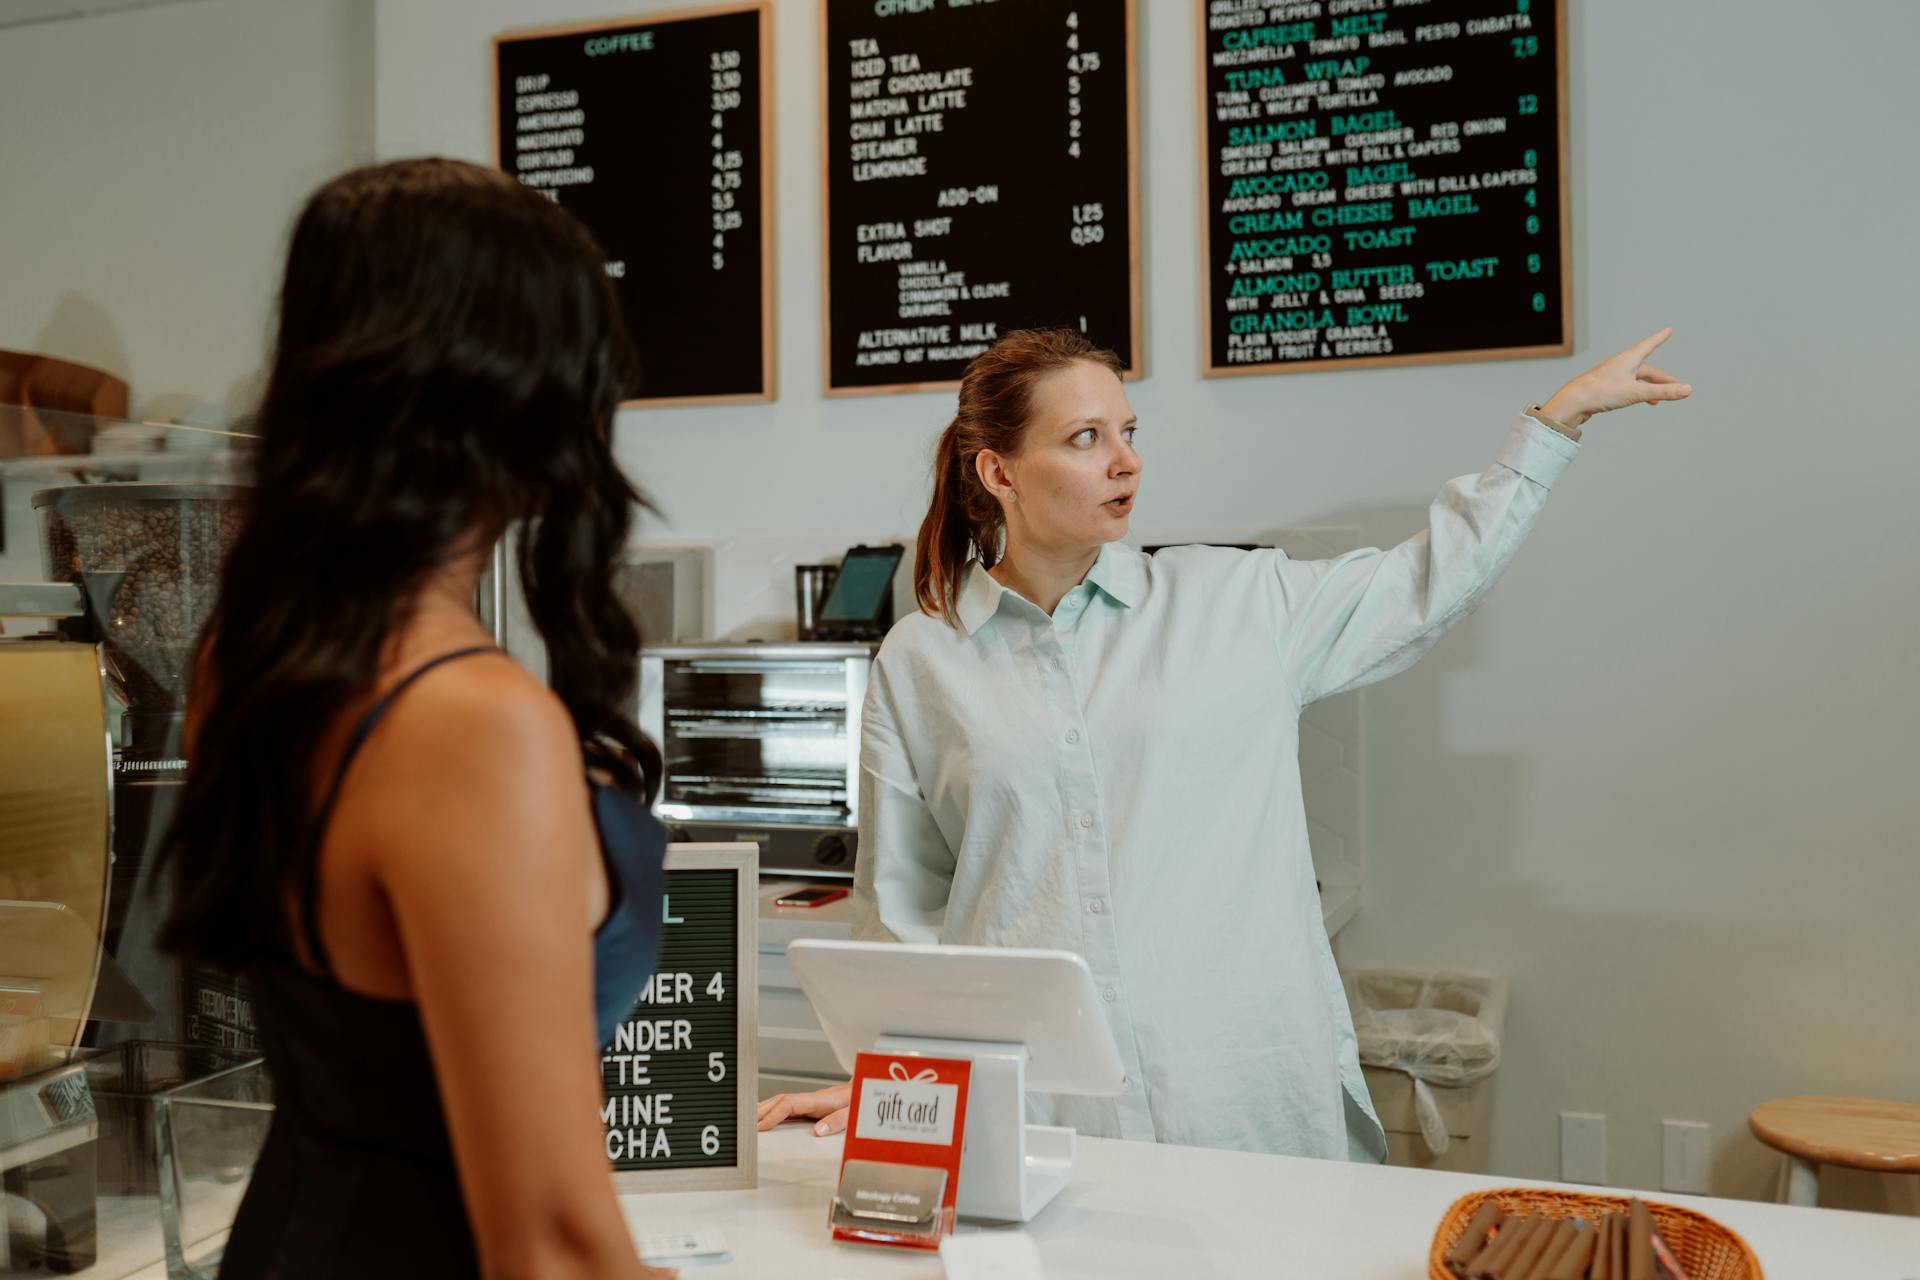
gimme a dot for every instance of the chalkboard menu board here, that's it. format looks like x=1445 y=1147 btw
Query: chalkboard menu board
x=680 y=1072
x=658 y=136
x=1385 y=183
x=980 y=177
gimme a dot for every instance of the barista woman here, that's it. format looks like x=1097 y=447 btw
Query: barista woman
x=1077 y=746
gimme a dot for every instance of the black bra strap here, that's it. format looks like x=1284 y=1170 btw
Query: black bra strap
x=310 y=871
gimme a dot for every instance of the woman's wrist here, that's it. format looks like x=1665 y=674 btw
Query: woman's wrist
x=1562 y=412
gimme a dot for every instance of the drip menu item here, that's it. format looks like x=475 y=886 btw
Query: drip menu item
x=1385 y=183
x=980 y=177
x=657 y=135
x=679 y=1072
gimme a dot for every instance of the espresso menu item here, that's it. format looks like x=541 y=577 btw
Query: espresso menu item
x=672 y=1071
x=658 y=136
x=1385 y=183
x=980 y=177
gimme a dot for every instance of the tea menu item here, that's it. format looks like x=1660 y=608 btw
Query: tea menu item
x=1383 y=184
x=657 y=134
x=980 y=176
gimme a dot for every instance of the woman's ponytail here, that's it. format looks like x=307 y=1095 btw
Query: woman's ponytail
x=946 y=534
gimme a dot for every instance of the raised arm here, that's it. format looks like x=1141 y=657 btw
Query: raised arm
x=1370 y=614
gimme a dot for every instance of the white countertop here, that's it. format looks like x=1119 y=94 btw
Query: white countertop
x=1339 y=901
x=1136 y=1209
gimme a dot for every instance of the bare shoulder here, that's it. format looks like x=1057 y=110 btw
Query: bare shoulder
x=483 y=717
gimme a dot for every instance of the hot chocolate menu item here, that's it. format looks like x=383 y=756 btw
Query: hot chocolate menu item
x=658 y=135
x=1384 y=184
x=980 y=176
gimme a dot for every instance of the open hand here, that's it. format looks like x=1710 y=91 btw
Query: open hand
x=1614 y=384
x=828 y=1106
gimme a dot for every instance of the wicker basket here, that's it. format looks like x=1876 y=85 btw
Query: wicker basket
x=1706 y=1249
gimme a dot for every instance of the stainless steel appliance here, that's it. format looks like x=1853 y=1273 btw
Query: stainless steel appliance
x=762 y=743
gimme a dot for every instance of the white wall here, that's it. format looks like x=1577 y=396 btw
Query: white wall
x=1664 y=778
x=150 y=164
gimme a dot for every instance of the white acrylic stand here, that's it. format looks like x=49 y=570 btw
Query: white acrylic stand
x=1009 y=1169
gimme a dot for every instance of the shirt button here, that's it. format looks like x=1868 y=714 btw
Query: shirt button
x=1073 y=735
x=1126 y=1084
x=1086 y=820
x=1109 y=995
x=1095 y=906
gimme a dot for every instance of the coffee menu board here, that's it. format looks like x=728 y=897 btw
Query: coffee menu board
x=657 y=134
x=980 y=177
x=1385 y=182
x=680 y=1072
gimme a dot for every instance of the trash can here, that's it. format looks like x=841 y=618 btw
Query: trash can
x=1429 y=1045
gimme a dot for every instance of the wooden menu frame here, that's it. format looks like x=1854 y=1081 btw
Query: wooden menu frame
x=1564 y=347
x=1136 y=370
x=769 y=273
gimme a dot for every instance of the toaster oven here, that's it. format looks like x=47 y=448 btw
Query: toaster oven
x=761 y=742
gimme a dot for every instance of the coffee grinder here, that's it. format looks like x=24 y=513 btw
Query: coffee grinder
x=166 y=541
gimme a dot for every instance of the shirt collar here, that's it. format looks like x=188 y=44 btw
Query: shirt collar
x=979 y=598
x=1120 y=573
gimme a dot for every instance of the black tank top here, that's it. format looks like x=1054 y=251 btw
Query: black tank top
x=357 y=1177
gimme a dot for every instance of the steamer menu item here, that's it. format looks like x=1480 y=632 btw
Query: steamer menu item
x=658 y=136
x=980 y=177
x=679 y=1072
x=1385 y=184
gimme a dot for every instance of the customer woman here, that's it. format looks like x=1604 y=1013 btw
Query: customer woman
x=438 y=875
x=1077 y=746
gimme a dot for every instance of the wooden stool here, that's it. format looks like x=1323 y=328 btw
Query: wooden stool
x=1856 y=1133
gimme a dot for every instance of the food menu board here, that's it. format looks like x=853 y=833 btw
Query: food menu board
x=657 y=134
x=1385 y=182
x=680 y=1072
x=980 y=176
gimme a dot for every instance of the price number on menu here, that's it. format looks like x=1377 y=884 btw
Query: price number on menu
x=724 y=82
x=1080 y=63
x=1088 y=225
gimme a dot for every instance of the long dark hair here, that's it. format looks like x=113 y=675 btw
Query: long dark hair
x=449 y=360
x=964 y=520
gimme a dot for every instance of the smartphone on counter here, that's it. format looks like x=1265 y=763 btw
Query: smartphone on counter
x=816 y=897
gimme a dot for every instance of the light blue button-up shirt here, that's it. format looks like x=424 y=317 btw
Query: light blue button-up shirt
x=1122 y=780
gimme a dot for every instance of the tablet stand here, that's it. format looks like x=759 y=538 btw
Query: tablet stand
x=1009 y=1169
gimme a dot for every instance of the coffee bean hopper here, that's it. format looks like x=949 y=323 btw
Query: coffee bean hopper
x=153 y=551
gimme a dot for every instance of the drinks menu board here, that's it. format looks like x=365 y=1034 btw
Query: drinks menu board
x=980 y=176
x=657 y=134
x=679 y=1074
x=1385 y=182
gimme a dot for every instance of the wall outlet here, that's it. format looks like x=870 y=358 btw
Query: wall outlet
x=1685 y=1153
x=1583 y=1148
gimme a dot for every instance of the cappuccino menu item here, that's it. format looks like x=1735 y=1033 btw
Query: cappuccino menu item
x=1384 y=183
x=980 y=176
x=657 y=134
